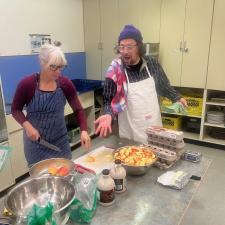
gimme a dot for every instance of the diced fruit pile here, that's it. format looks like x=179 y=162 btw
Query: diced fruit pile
x=61 y=171
x=135 y=156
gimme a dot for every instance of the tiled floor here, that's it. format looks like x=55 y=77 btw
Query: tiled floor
x=208 y=204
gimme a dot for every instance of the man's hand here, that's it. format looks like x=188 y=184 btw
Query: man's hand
x=85 y=139
x=31 y=132
x=183 y=102
x=103 y=125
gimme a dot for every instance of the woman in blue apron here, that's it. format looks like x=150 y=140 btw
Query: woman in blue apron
x=45 y=96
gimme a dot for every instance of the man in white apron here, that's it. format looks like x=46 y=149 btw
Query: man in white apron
x=133 y=83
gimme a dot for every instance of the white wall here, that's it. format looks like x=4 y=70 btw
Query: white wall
x=63 y=19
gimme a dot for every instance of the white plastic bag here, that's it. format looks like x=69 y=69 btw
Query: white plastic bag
x=174 y=179
x=4 y=155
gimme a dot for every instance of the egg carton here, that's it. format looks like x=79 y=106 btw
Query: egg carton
x=165 y=164
x=165 y=154
x=165 y=158
x=176 y=148
x=164 y=135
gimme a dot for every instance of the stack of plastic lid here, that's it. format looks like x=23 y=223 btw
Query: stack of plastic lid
x=215 y=117
x=167 y=144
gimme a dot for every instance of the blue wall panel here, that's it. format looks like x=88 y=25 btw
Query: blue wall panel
x=14 y=68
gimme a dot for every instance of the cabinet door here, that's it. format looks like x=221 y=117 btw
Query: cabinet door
x=171 y=36
x=19 y=163
x=216 y=77
x=196 y=37
x=92 y=38
x=128 y=13
x=6 y=176
x=149 y=19
x=109 y=32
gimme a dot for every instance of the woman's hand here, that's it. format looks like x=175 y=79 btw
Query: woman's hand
x=31 y=132
x=85 y=139
x=183 y=102
x=103 y=125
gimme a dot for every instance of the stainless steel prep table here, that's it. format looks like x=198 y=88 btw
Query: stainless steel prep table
x=148 y=203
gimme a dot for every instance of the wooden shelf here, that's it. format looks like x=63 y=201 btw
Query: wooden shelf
x=179 y=114
x=214 y=125
x=213 y=140
x=191 y=135
x=215 y=103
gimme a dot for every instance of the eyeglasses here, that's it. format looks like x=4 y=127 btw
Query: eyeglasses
x=122 y=48
x=55 y=67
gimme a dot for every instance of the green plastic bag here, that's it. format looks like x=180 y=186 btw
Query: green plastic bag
x=41 y=215
x=176 y=107
x=84 y=205
x=79 y=213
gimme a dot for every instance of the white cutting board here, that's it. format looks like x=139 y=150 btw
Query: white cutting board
x=103 y=159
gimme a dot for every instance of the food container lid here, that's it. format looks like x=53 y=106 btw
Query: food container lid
x=118 y=161
x=105 y=172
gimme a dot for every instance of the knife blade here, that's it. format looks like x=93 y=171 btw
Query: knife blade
x=48 y=145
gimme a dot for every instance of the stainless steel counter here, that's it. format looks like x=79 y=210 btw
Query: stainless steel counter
x=148 y=203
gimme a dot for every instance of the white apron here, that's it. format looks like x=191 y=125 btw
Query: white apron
x=142 y=110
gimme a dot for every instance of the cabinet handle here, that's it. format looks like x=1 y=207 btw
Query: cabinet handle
x=100 y=45
x=181 y=46
x=185 y=49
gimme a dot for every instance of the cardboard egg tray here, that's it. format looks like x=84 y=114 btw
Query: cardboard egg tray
x=176 y=147
x=165 y=154
x=166 y=158
x=164 y=135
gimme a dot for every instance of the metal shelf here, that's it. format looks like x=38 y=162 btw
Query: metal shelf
x=213 y=140
x=191 y=135
x=215 y=103
x=214 y=125
x=179 y=114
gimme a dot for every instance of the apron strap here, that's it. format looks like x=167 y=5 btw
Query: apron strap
x=146 y=69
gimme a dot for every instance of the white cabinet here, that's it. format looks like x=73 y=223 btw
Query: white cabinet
x=6 y=175
x=92 y=38
x=15 y=135
x=100 y=35
x=149 y=19
x=216 y=76
x=103 y=21
x=184 y=41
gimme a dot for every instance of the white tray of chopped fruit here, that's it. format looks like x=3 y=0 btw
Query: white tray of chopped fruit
x=97 y=160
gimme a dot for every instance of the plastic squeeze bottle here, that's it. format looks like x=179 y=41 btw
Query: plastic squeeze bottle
x=106 y=188
x=118 y=174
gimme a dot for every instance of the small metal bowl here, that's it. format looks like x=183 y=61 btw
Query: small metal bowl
x=57 y=190
x=41 y=168
x=136 y=170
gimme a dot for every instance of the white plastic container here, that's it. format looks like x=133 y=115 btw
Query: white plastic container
x=118 y=173
x=106 y=189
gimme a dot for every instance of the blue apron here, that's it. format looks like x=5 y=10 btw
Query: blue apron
x=46 y=113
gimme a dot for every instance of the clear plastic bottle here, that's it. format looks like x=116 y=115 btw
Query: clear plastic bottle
x=106 y=188
x=118 y=174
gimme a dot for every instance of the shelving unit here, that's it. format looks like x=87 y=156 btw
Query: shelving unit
x=212 y=100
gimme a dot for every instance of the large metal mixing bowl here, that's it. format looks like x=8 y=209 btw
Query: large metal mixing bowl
x=41 y=168
x=57 y=190
x=136 y=170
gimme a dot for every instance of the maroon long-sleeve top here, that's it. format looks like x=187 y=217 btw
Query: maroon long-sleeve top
x=26 y=90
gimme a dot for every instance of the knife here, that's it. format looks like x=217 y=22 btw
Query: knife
x=48 y=145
